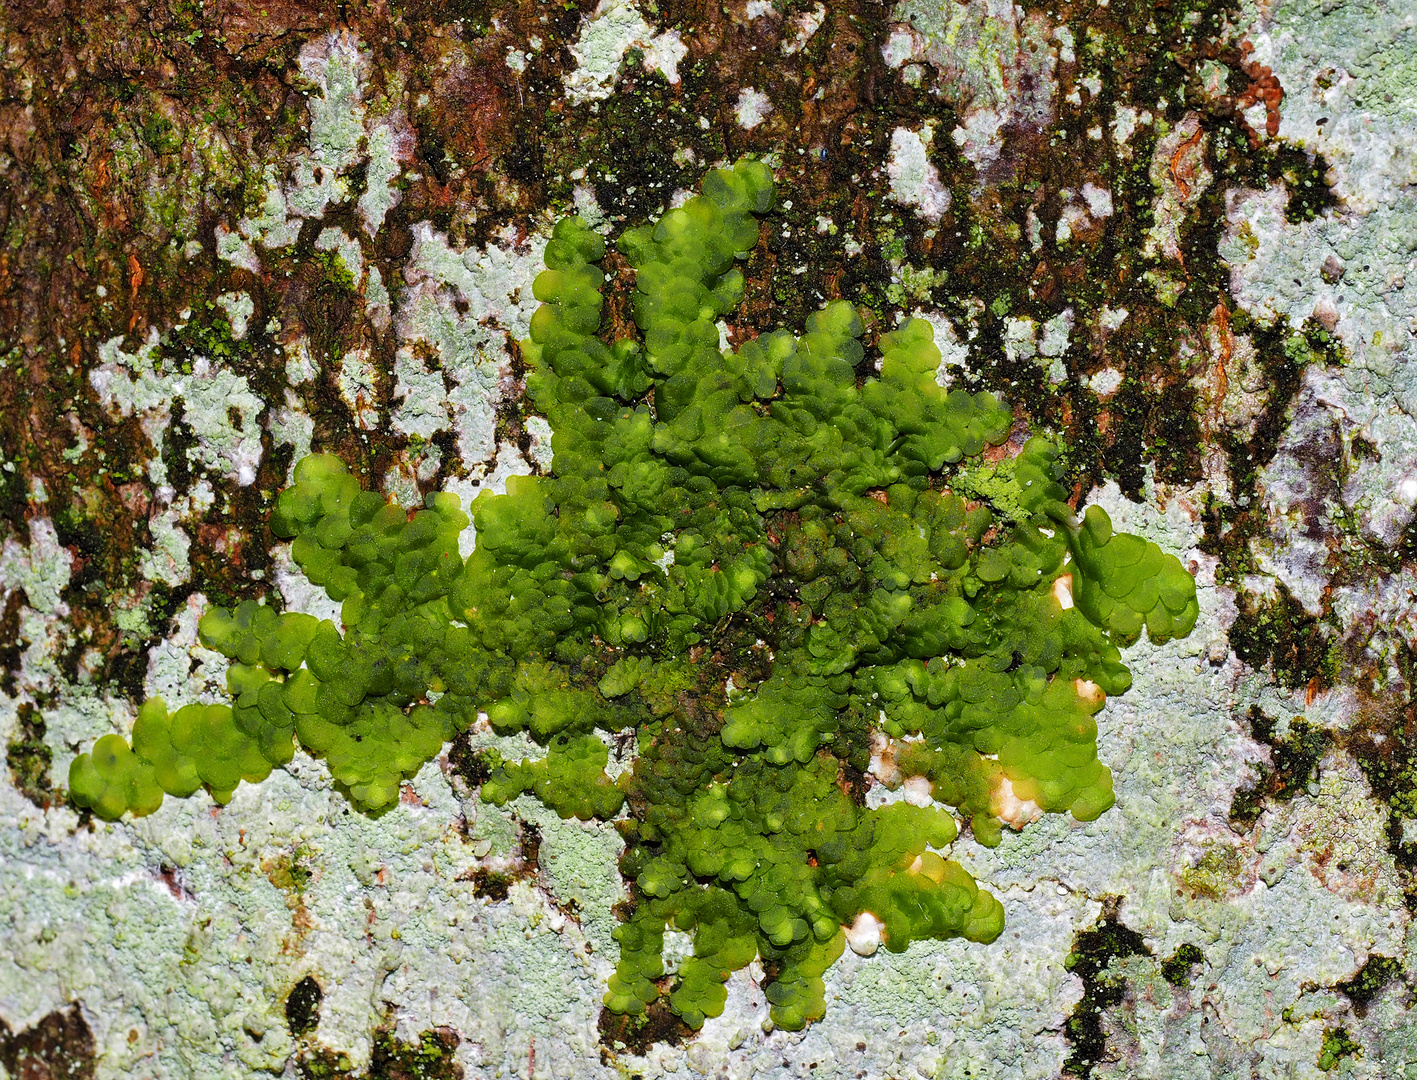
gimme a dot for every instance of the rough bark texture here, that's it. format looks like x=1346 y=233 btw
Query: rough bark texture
x=1176 y=234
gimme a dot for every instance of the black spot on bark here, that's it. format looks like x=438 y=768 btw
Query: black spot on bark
x=59 y=1045
x=302 y=1007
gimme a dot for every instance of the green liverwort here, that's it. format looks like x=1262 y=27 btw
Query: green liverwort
x=751 y=561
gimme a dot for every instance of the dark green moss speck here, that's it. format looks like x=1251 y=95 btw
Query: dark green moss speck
x=1375 y=975
x=1177 y=968
x=29 y=758
x=432 y=1057
x=637 y=1034
x=1336 y=1046
x=1092 y=954
x=1278 y=634
x=1295 y=757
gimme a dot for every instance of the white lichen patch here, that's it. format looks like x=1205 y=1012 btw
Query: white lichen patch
x=74 y=711
x=752 y=108
x=1098 y=200
x=401 y=486
x=1125 y=122
x=1071 y=219
x=991 y=56
x=539 y=428
x=1104 y=383
x=418 y=393
x=234 y=248
x=1056 y=333
x=165 y=560
x=612 y=30
x=346 y=251
x=238 y=307
x=1348 y=274
x=391 y=146
x=1232 y=381
x=180 y=669
x=900 y=46
x=1317 y=896
x=1022 y=342
x=345 y=132
x=290 y=424
x=1020 y=338
x=913 y=177
x=1180 y=175
x=41 y=568
x=583 y=196
x=283 y=884
x=1381 y=610
x=1110 y=318
x=272 y=226
x=978 y=136
x=999 y=1003
x=337 y=69
x=804 y=27
x=358 y=386
x=910 y=283
x=300 y=364
x=461 y=306
x=1353 y=76
x=217 y=404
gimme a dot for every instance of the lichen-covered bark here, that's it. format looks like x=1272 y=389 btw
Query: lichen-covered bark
x=1178 y=236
